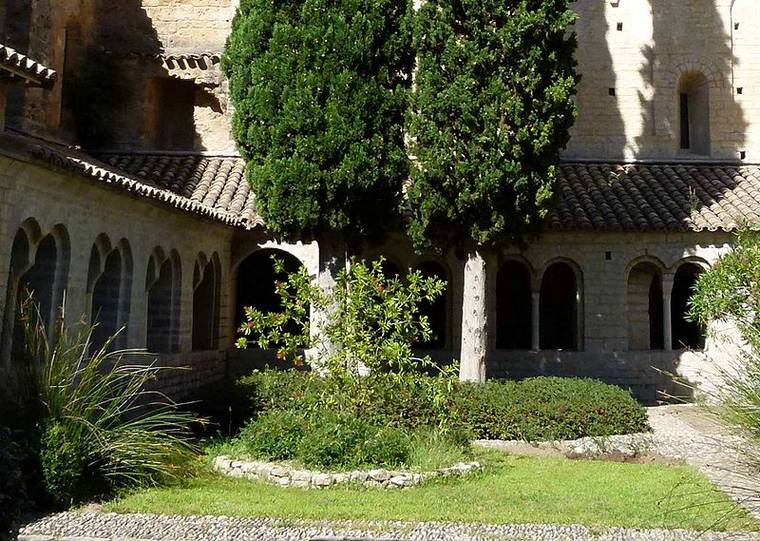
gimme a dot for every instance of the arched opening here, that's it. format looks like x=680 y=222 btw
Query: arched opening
x=256 y=278
x=686 y=334
x=436 y=311
x=106 y=290
x=163 y=289
x=513 y=306
x=645 y=308
x=205 y=304
x=558 y=308
x=694 y=113
x=20 y=262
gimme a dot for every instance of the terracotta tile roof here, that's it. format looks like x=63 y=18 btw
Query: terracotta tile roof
x=203 y=61
x=210 y=186
x=656 y=197
x=15 y=65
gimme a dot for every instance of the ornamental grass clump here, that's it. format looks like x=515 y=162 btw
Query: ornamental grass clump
x=102 y=426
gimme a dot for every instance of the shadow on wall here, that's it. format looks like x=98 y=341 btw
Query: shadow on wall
x=692 y=110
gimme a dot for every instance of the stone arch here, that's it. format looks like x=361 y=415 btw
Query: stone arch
x=561 y=306
x=39 y=266
x=108 y=289
x=163 y=287
x=206 y=289
x=438 y=311
x=644 y=307
x=256 y=277
x=686 y=334
x=514 y=305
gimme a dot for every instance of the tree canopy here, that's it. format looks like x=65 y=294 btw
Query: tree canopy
x=320 y=89
x=491 y=111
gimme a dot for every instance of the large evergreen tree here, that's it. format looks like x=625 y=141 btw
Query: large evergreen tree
x=491 y=111
x=320 y=89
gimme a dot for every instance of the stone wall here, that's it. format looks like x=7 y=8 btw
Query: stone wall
x=641 y=48
x=83 y=210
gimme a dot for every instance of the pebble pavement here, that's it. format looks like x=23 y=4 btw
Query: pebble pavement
x=679 y=432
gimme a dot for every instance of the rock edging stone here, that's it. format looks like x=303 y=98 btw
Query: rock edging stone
x=284 y=475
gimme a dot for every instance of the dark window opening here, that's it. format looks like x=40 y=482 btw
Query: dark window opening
x=106 y=291
x=163 y=307
x=686 y=334
x=514 y=307
x=172 y=107
x=205 y=307
x=559 y=308
x=684 y=112
x=256 y=278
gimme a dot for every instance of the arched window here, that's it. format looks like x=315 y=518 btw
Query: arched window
x=44 y=276
x=559 y=308
x=109 y=286
x=163 y=288
x=694 y=113
x=256 y=279
x=513 y=307
x=644 y=312
x=205 y=303
x=436 y=311
x=686 y=334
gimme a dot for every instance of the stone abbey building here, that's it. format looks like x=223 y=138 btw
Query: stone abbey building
x=122 y=192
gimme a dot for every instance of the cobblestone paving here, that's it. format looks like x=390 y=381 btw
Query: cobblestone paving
x=67 y=526
x=686 y=433
x=679 y=432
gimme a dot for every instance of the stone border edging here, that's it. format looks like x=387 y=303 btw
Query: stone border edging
x=284 y=475
x=627 y=445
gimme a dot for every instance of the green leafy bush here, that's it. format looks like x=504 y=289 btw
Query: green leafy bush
x=274 y=436
x=333 y=440
x=373 y=321
x=102 y=426
x=389 y=446
x=541 y=408
x=549 y=408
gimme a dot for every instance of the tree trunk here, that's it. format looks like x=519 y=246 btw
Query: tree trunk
x=332 y=259
x=474 y=319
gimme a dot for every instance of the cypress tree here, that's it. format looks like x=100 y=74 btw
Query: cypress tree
x=320 y=89
x=491 y=111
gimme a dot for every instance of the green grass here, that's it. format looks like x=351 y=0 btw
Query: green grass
x=511 y=490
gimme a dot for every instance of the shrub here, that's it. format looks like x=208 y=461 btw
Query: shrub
x=103 y=428
x=549 y=408
x=373 y=321
x=333 y=440
x=543 y=408
x=273 y=436
x=388 y=446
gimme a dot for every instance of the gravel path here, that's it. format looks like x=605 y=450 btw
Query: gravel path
x=680 y=432
x=175 y=528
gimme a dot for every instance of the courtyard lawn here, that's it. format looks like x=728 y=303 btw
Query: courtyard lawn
x=511 y=490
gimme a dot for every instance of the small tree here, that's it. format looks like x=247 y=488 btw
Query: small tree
x=492 y=109
x=376 y=323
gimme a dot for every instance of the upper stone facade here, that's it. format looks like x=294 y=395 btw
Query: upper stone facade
x=661 y=80
x=638 y=57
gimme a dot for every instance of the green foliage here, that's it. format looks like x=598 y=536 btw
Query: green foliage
x=730 y=290
x=546 y=408
x=491 y=110
x=373 y=323
x=275 y=435
x=103 y=427
x=320 y=89
x=333 y=440
x=533 y=409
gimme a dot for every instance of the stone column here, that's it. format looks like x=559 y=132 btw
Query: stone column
x=667 y=289
x=535 y=343
x=332 y=258
x=474 y=319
